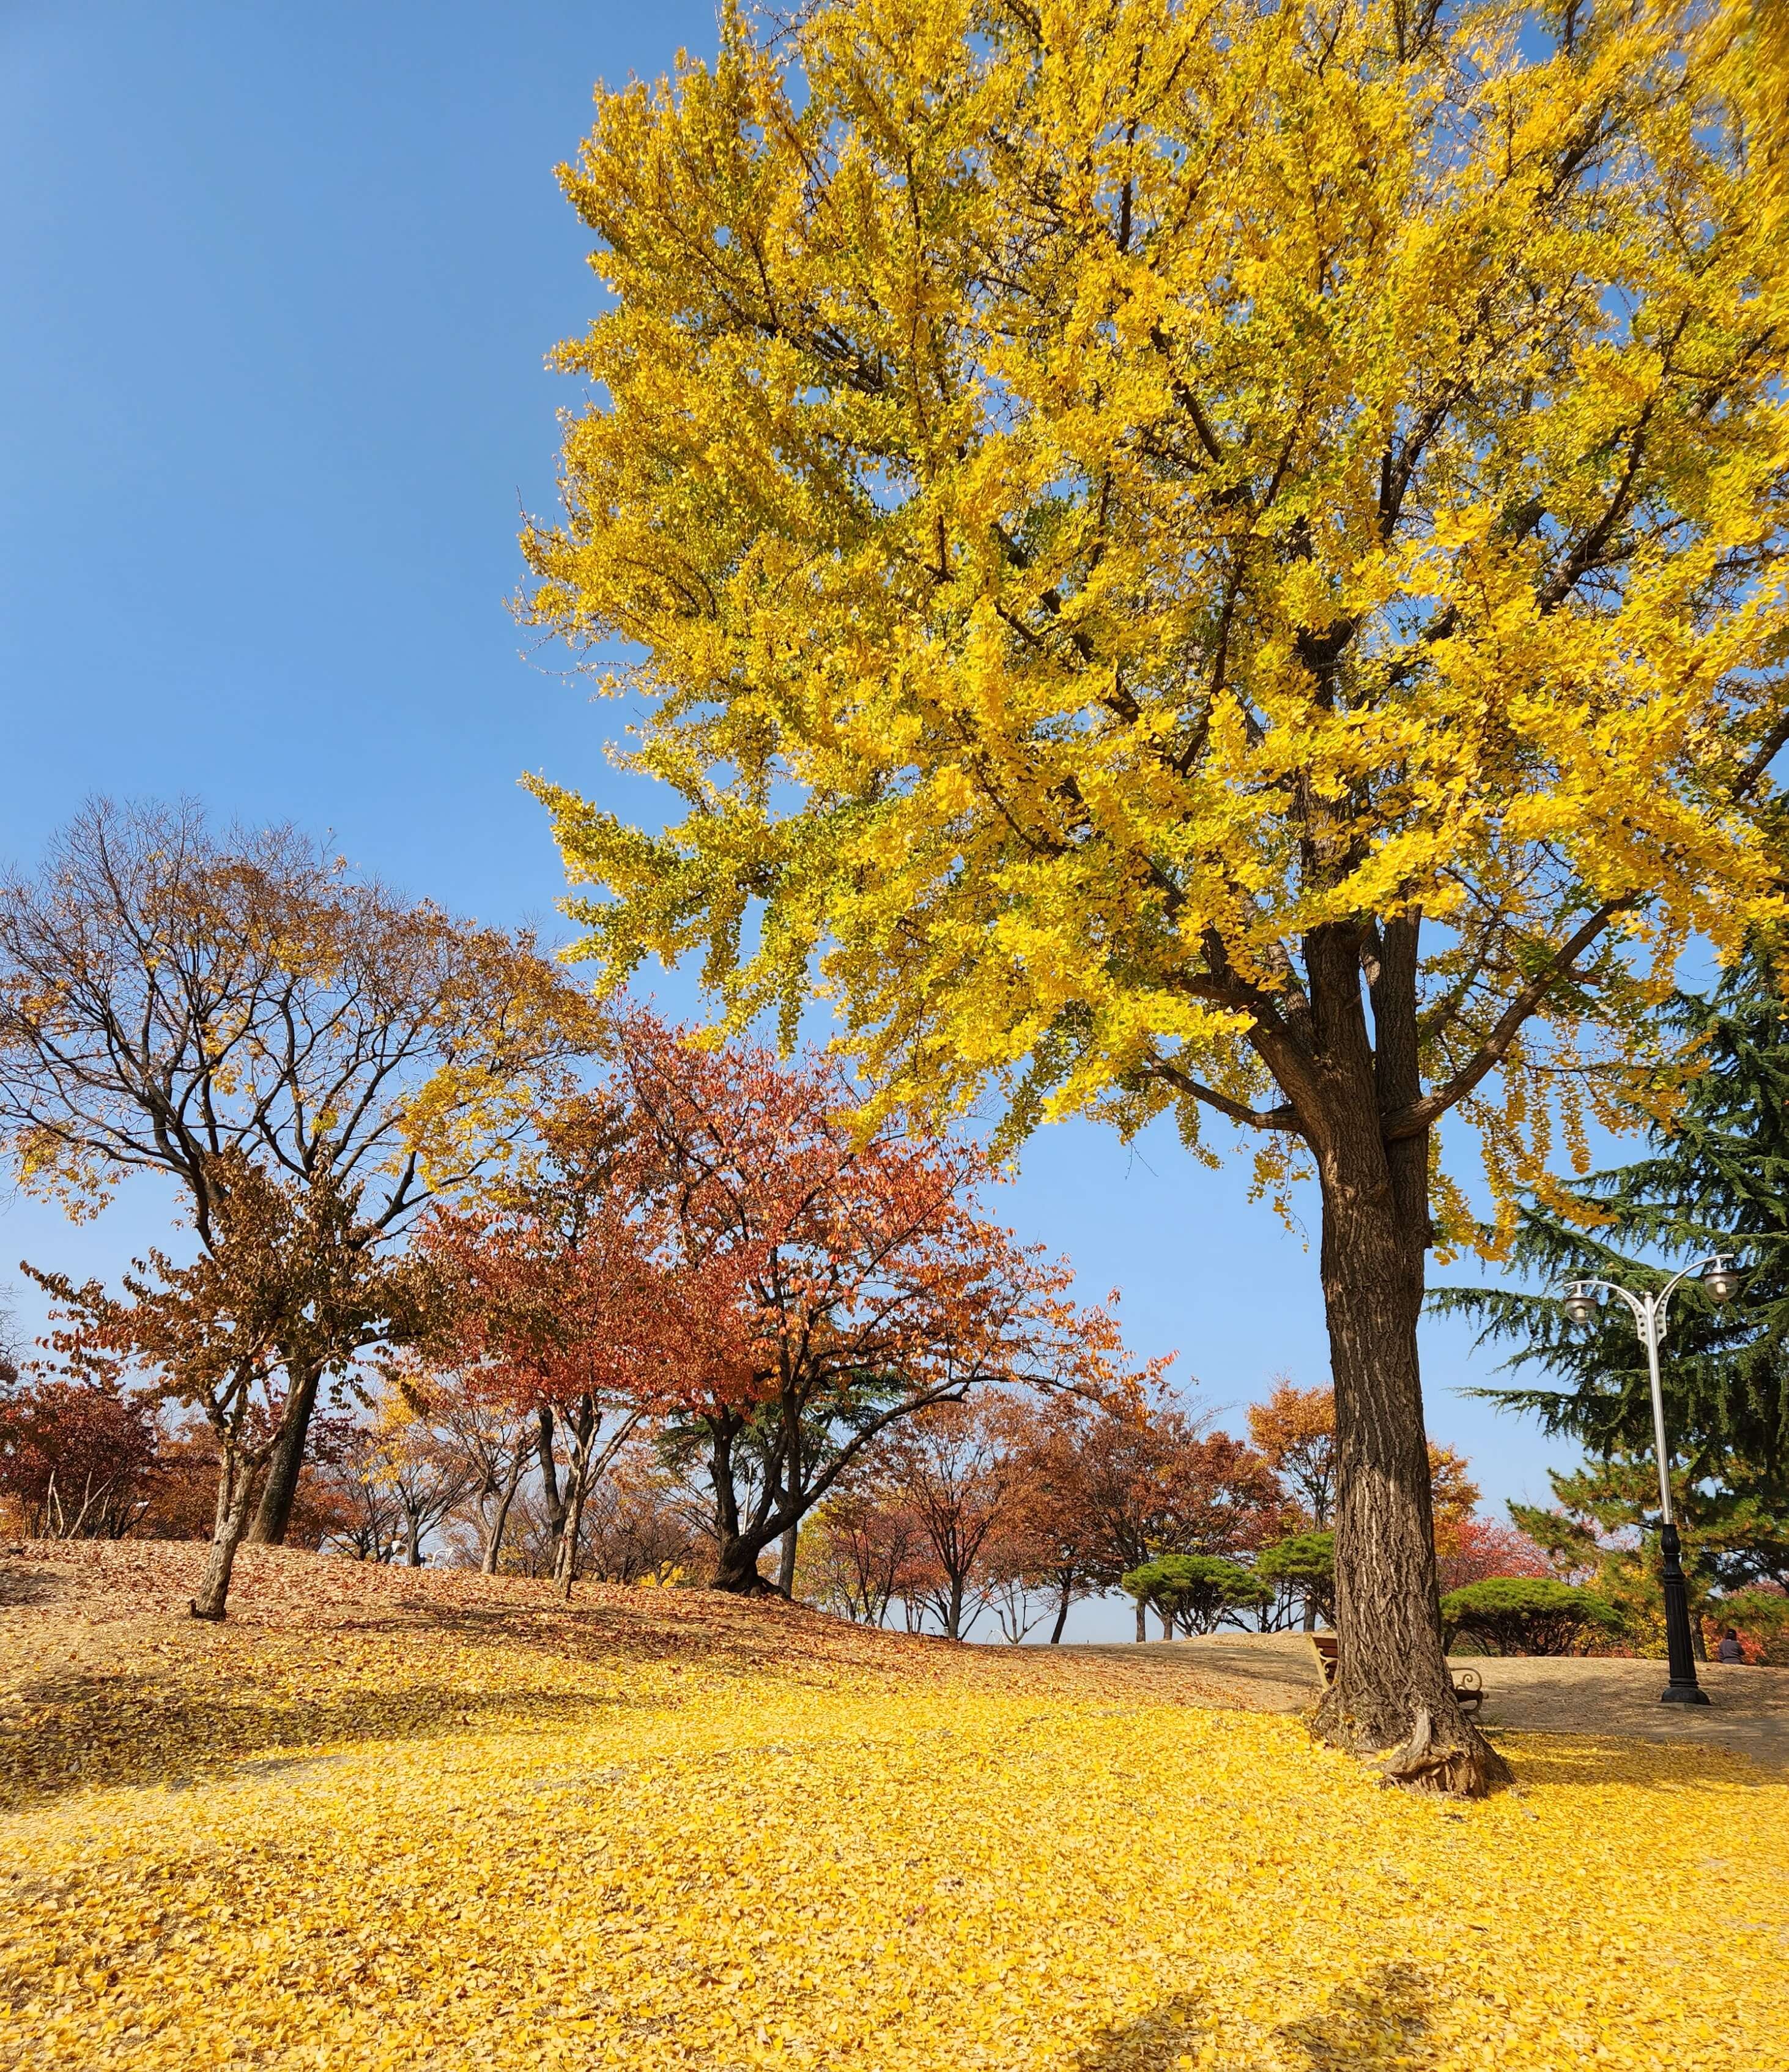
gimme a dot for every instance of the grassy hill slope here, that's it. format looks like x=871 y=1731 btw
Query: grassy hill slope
x=387 y=1819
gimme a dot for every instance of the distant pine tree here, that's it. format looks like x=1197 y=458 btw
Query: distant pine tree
x=1717 y=1176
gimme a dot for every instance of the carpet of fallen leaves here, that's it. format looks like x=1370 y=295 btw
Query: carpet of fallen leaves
x=385 y=1820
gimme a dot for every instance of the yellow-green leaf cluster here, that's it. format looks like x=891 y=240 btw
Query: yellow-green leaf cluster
x=1101 y=495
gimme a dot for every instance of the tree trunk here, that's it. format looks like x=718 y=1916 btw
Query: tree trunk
x=736 y=1569
x=549 y=1482
x=1142 y=1615
x=1061 y=1618
x=737 y=1549
x=953 y=1617
x=286 y=1463
x=1393 y=1694
x=235 y=1486
x=413 y=1543
x=1310 y=1612
x=792 y=1482
x=1167 y=1627
x=492 y=1552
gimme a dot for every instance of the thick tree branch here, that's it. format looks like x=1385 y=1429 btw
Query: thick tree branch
x=1421 y=1115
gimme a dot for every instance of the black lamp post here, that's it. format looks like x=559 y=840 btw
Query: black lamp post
x=1721 y=1280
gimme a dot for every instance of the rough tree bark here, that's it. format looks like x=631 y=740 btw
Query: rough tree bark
x=952 y=1614
x=235 y=1486
x=1392 y=1695
x=549 y=1482
x=492 y=1552
x=581 y=1428
x=736 y=1547
x=274 y=1516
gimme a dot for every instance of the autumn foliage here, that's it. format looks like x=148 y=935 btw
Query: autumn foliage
x=718 y=1241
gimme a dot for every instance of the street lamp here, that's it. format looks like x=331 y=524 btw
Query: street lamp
x=1722 y=1279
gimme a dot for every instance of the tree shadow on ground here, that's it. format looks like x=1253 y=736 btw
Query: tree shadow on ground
x=284 y=1592
x=95 y=1729
x=592 y=1630
x=1155 y=2041
x=19 y=1585
x=1382 y=2020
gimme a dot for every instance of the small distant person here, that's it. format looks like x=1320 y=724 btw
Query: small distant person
x=1729 y=1649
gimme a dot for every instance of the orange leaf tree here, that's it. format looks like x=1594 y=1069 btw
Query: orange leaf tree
x=858 y=1280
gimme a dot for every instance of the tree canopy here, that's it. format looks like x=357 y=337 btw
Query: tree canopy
x=1106 y=501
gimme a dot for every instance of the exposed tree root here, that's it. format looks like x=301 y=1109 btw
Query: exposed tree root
x=1461 y=1764
x=1467 y=1768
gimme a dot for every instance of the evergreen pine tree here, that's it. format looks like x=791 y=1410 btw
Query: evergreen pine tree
x=1717 y=1177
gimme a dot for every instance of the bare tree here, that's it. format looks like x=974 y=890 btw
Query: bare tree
x=492 y=1441
x=168 y=994
x=371 y=1526
x=643 y=1520
x=428 y=1480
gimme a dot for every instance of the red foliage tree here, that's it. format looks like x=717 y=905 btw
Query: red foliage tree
x=718 y=1242
x=1471 y=1550
x=550 y=1299
x=77 y=1460
x=864 y=1552
x=1133 y=1476
x=958 y=1472
x=869 y=1285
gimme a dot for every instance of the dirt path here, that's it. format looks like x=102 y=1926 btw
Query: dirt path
x=1273 y=1672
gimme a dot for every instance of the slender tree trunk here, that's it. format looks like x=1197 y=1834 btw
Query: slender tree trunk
x=284 y=1465
x=583 y=1429
x=549 y=1482
x=492 y=1553
x=1167 y=1627
x=1310 y=1612
x=1142 y=1615
x=953 y=1620
x=413 y=1542
x=1061 y=1618
x=235 y=1486
x=792 y=1478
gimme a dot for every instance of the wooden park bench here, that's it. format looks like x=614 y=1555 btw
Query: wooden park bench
x=1468 y=1685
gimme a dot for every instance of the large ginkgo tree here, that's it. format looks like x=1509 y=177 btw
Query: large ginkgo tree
x=1223 y=557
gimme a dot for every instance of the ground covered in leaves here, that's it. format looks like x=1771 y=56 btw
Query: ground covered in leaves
x=387 y=1820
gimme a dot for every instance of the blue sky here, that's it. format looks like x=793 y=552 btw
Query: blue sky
x=279 y=280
